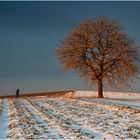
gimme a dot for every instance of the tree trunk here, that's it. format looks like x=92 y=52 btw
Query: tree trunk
x=100 y=89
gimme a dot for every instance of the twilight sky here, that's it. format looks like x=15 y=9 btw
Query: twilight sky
x=31 y=31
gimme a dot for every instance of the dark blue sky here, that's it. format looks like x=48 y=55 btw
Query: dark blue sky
x=31 y=31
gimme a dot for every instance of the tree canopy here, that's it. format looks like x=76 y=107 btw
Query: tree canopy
x=100 y=50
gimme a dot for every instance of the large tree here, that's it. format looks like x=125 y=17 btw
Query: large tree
x=100 y=50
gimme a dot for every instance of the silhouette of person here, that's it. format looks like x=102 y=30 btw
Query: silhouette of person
x=17 y=93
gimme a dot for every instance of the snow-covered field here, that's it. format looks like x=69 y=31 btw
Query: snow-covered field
x=4 y=120
x=65 y=118
x=118 y=95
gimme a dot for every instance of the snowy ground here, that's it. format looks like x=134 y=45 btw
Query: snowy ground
x=65 y=118
x=107 y=94
x=4 y=121
x=121 y=102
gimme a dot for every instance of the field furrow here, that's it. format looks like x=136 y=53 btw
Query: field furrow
x=53 y=125
x=80 y=129
x=112 y=121
x=59 y=118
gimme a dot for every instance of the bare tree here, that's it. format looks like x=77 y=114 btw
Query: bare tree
x=100 y=50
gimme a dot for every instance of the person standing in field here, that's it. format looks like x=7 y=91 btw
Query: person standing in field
x=17 y=93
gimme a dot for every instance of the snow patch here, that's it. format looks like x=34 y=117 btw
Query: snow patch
x=4 y=120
